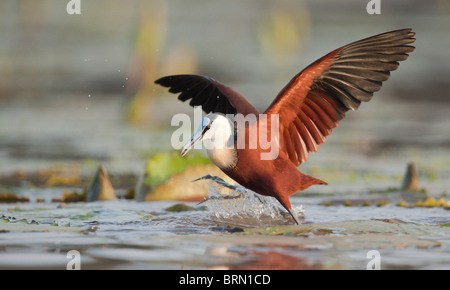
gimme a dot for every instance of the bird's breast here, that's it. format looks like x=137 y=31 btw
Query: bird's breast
x=224 y=158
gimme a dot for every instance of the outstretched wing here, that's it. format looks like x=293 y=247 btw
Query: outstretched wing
x=212 y=95
x=316 y=99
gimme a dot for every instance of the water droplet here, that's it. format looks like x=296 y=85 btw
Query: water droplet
x=126 y=79
x=118 y=70
x=89 y=95
x=85 y=59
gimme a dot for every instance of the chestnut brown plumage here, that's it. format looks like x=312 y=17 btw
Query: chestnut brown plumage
x=309 y=107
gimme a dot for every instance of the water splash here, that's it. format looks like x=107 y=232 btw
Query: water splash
x=243 y=207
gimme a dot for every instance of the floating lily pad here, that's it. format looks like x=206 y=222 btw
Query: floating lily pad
x=180 y=207
x=181 y=187
x=22 y=225
x=168 y=176
x=163 y=165
x=351 y=227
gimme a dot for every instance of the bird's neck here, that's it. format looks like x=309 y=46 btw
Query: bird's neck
x=224 y=155
x=220 y=145
x=224 y=158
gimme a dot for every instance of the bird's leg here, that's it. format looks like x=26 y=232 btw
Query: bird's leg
x=239 y=189
x=294 y=215
x=220 y=181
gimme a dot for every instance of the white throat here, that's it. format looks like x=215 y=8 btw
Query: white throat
x=223 y=158
x=219 y=142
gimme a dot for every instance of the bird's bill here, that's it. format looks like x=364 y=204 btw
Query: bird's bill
x=198 y=135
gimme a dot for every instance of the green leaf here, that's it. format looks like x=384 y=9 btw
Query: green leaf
x=163 y=165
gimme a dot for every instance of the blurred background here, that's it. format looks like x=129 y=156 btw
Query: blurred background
x=77 y=90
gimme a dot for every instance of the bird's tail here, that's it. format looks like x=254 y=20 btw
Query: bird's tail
x=307 y=181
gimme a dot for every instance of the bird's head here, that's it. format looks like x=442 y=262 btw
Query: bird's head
x=215 y=131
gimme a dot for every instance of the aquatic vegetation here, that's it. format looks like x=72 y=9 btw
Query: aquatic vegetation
x=411 y=181
x=100 y=187
x=73 y=196
x=382 y=203
x=168 y=176
x=12 y=224
x=9 y=197
x=355 y=202
x=181 y=186
x=428 y=202
x=402 y=203
x=409 y=195
x=180 y=207
x=130 y=194
x=432 y=202
x=348 y=203
x=163 y=165
x=353 y=227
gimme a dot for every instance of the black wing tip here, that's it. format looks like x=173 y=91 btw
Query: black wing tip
x=199 y=90
x=407 y=33
x=167 y=80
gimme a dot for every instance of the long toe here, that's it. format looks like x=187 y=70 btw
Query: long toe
x=208 y=176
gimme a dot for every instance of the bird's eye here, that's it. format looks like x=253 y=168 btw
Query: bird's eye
x=206 y=128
